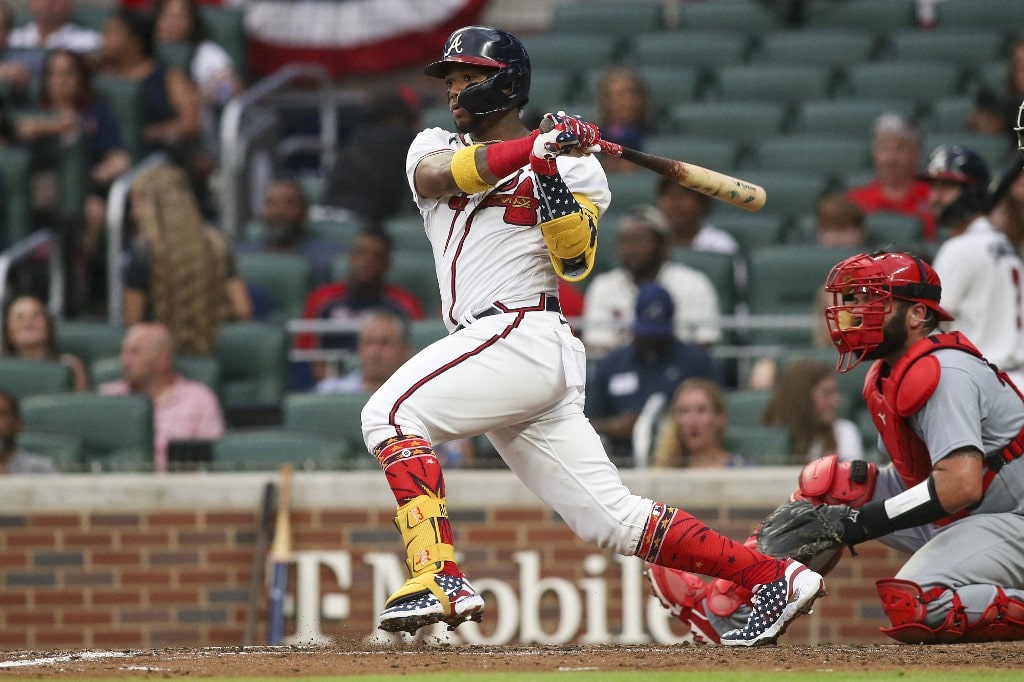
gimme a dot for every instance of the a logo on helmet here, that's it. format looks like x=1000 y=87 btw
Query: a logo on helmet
x=454 y=45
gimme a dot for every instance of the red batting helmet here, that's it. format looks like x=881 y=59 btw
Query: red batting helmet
x=863 y=288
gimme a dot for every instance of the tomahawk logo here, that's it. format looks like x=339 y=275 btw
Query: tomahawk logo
x=454 y=45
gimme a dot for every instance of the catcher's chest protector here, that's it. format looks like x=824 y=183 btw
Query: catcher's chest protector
x=905 y=391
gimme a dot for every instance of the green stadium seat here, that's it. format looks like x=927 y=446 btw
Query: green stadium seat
x=878 y=16
x=422 y=333
x=550 y=90
x=760 y=445
x=15 y=164
x=894 y=228
x=285 y=277
x=744 y=406
x=826 y=46
x=253 y=361
x=630 y=189
x=91 y=17
x=334 y=230
x=851 y=116
x=785 y=83
x=990 y=76
x=707 y=151
x=64 y=448
x=790 y=193
x=333 y=415
x=740 y=120
x=116 y=431
x=751 y=230
x=22 y=377
x=566 y=51
x=700 y=48
x=666 y=85
x=748 y=16
x=608 y=18
x=226 y=27
x=949 y=114
x=270 y=448
x=921 y=81
x=811 y=153
x=965 y=46
x=89 y=340
x=981 y=14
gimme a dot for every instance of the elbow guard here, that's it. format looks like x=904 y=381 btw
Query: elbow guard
x=572 y=240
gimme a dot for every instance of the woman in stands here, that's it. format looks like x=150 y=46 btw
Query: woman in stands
x=694 y=429
x=29 y=333
x=179 y=23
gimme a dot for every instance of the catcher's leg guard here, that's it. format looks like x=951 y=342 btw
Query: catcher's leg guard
x=683 y=594
x=428 y=596
x=905 y=604
x=1003 y=620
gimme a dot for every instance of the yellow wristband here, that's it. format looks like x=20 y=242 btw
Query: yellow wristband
x=465 y=172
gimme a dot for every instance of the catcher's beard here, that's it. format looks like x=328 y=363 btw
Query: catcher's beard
x=675 y=539
x=412 y=469
x=894 y=334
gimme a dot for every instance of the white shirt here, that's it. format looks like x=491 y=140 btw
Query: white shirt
x=487 y=246
x=849 y=444
x=717 y=240
x=610 y=300
x=69 y=36
x=983 y=289
x=211 y=64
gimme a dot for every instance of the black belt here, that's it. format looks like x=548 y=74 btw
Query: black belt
x=551 y=305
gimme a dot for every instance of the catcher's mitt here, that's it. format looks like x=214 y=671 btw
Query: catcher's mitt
x=813 y=535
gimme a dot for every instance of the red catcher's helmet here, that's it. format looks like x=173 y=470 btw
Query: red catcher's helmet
x=863 y=288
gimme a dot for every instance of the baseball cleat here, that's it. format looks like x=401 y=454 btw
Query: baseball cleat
x=443 y=598
x=682 y=594
x=776 y=605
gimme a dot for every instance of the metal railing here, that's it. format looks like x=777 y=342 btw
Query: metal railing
x=27 y=249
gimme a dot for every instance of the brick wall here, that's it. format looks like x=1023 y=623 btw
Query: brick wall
x=98 y=561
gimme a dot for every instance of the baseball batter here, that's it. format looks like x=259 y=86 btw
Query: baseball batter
x=953 y=496
x=508 y=211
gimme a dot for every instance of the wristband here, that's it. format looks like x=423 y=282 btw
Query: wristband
x=505 y=158
x=465 y=172
x=911 y=508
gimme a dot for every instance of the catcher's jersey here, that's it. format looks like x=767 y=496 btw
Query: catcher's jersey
x=487 y=246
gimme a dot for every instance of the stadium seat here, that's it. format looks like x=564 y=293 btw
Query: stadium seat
x=740 y=120
x=226 y=27
x=990 y=76
x=285 y=277
x=270 y=448
x=748 y=16
x=790 y=193
x=827 y=46
x=334 y=415
x=965 y=46
x=785 y=83
x=64 y=448
x=550 y=90
x=666 y=85
x=760 y=445
x=700 y=48
x=744 y=406
x=980 y=14
x=422 y=333
x=878 y=16
x=253 y=360
x=833 y=154
x=849 y=116
x=893 y=228
x=719 y=268
x=566 y=51
x=116 y=431
x=15 y=165
x=751 y=230
x=407 y=230
x=22 y=377
x=200 y=368
x=608 y=18
x=334 y=230
x=89 y=340
x=630 y=189
x=707 y=151
x=920 y=81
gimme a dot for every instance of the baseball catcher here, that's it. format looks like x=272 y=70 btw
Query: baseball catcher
x=952 y=497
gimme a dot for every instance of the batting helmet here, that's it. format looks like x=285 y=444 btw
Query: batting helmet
x=965 y=167
x=863 y=288
x=507 y=87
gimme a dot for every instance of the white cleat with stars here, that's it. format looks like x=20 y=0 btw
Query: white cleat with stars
x=776 y=605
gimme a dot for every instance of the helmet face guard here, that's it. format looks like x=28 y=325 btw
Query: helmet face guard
x=493 y=48
x=864 y=289
x=1019 y=128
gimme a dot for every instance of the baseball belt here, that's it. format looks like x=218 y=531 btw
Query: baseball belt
x=551 y=305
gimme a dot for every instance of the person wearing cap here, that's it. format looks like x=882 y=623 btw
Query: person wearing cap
x=611 y=298
x=982 y=273
x=896 y=148
x=648 y=368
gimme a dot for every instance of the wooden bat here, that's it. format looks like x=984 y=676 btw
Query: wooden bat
x=280 y=552
x=259 y=561
x=717 y=185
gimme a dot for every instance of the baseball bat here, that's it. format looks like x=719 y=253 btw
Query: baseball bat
x=259 y=561
x=717 y=185
x=280 y=551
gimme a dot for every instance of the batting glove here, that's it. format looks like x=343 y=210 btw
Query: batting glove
x=560 y=134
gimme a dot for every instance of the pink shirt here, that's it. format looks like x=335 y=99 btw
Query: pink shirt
x=189 y=410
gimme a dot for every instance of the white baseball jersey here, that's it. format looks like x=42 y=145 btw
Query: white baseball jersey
x=982 y=289
x=487 y=246
x=518 y=375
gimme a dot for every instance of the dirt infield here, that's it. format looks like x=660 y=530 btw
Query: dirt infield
x=355 y=658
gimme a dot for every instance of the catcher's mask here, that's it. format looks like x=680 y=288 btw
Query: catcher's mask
x=507 y=87
x=863 y=288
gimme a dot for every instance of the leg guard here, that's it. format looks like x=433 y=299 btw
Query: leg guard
x=905 y=603
x=417 y=522
x=683 y=594
x=1003 y=620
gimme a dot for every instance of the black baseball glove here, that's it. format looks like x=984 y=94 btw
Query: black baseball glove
x=811 y=534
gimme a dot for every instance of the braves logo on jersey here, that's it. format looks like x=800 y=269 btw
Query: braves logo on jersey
x=520 y=204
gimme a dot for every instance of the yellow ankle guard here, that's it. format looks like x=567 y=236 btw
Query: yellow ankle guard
x=422 y=535
x=418 y=584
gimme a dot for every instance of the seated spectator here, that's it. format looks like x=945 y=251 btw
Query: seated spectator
x=283 y=228
x=182 y=409
x=180 y=270
x=366 y=287
x=368 y=178
x=623 y=114
x=694 y=429
x=896 y=150
x=29 y=332
x=51 y=28
x=14 y=71
x=610 y=299
x=69 y=111
x=839 y=221
x=12 y=459
x=651 y=364
x=689 y=228
x=806 y=401
x=383 y=346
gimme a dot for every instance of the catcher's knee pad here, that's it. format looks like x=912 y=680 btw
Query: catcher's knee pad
x=417 y=521
x=829 y=481
x=906 y=605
